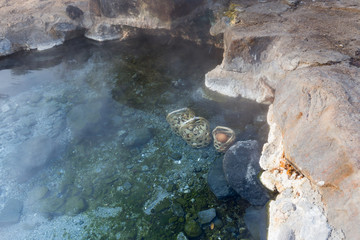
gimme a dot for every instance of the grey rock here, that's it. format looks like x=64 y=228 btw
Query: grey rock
x=241 y=167
x=176 y=155
x=138 y=137
x=5 y=47
x=177 y=210
x=217 y=181
x=206 y=216
x=127 y=185
x=181 y=236
x=11 y=213
x=66 y=30
x=256 y=222
x=74 y=12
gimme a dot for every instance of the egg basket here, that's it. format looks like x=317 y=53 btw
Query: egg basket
x=223 y=146
x=178 y=117
x=196 y=132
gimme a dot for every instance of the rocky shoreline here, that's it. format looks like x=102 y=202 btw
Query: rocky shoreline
x=301 y=57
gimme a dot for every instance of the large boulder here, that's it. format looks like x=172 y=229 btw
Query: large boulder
x=241 y=168
x=305 y=60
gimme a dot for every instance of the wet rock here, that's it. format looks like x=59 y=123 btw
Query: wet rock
x=192 y=228
x=5 y=47
x=217 y=181
x=176 y=156
x=75 y=205
x=177 y=210
x=127 y=185
x=11 y=212
x=241 y=167
x=206 y=216
x=74 y=12
x=138 y=137
x=181 y=236
x=256 y=222
x=66 y=31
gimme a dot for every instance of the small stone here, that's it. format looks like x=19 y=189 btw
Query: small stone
x=204 y=155
x=176 y=156
x=197 y=169
x=127 y=186
x=218 y=223
x=192 y=229
x=177 y=210
x=74 y=12
x=145 y=168
x=11 y=212
x=206 y=216
x=181 y=236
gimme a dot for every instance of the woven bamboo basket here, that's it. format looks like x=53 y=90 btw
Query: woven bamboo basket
x=196 y=132
x=178 y=117
x=224 y=137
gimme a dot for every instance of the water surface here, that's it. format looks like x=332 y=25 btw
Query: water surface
x=87 y=153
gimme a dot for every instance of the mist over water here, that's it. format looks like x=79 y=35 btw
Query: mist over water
x=86 y=152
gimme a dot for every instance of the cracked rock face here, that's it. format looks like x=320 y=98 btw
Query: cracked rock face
x=36 y=24
x=303 y=59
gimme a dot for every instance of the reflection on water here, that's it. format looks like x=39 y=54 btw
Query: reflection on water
x=85 y=150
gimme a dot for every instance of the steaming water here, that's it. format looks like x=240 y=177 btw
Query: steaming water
x=86 y=152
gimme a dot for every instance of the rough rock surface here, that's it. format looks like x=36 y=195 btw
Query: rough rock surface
x=304 y=58
x=241 y=165
x=39 y=24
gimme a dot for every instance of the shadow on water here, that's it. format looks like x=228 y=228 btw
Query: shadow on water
x=123 y=174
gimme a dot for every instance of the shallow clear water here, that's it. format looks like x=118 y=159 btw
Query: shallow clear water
x=85 y=149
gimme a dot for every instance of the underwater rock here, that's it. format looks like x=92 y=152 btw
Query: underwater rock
x=206 y=216
x=217 y=182
x=11 y=213
x=177 y=210
x=75 y=205
x=241 y=167
x=175 y=155
x=256 y=222
x=138 y=137
x=181 y=236
x=192 y=228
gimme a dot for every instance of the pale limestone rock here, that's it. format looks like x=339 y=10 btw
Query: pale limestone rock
x=308 y=57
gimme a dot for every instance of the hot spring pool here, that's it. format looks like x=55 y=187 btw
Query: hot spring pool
x=86 y=152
